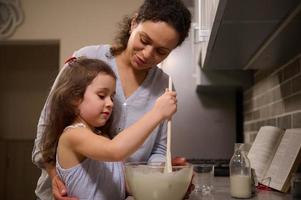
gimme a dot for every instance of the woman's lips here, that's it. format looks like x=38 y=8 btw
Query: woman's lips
x=139 y=61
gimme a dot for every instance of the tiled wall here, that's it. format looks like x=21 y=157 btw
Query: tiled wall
x=275 y=98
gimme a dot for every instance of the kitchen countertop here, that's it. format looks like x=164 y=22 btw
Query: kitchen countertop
x=221 y=192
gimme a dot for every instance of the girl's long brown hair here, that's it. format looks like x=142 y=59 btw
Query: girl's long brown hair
x=69 y=89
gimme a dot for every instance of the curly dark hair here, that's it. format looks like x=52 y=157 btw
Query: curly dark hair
x=69 y=88
x=173 y=12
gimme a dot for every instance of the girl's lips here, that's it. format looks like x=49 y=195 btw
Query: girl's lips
x=106 y=114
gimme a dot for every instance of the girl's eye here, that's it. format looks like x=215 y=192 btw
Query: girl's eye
x=101 y=96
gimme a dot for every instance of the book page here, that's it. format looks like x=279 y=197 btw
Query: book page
x=263 y=149
x=284 y=159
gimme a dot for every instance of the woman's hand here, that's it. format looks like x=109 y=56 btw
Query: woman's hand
x=59 y=190
x=166 y=105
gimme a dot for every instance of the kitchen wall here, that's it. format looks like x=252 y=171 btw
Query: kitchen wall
x=275 y=98
x=75 y=23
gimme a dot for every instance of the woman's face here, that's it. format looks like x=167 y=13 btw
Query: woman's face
x=150 y=43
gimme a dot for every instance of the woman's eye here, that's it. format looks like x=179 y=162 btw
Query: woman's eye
x=162 y=52
x=143 y=41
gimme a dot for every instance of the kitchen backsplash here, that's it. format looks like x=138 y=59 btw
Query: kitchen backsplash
x=274 y=99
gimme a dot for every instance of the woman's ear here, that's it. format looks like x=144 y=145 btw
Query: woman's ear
x=134 y=22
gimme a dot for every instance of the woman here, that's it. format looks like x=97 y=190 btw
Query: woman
x=145 y=40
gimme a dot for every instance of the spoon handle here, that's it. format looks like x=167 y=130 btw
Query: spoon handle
x=168 y=166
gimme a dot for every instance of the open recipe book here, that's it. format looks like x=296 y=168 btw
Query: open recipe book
x=274 y=155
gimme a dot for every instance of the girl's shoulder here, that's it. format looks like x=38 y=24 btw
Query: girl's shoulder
x=74 y=133
x=78 y=133
x=76 y=125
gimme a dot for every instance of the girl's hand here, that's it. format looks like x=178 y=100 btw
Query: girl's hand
x=166 y=105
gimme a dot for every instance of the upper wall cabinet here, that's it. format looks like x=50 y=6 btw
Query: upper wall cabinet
x=252 y=34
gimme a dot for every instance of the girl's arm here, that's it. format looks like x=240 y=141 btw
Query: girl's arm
x=88 y=144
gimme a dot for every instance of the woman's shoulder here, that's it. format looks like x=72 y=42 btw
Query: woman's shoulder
x=159 y=76
x=100 y=51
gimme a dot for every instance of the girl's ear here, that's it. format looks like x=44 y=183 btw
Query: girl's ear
x=134 y=22
x=76 y=102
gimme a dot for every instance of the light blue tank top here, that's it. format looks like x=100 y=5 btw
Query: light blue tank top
x=94 y=179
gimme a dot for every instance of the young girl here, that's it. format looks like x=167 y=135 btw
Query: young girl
x=82 y=101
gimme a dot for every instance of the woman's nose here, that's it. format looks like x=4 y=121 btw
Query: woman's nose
x=148 y=52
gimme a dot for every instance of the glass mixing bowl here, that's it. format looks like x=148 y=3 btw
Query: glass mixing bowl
x=148 y=181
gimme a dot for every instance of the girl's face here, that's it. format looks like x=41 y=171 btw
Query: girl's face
x=96 y=106
x=150 y=43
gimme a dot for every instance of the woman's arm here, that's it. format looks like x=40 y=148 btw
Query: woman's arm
x=158 y=153
x=59 y=189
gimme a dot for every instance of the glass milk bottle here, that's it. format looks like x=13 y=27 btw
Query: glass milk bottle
x=240 y=173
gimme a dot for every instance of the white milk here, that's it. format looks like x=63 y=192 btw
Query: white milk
x=240 y=186
x=151 y=184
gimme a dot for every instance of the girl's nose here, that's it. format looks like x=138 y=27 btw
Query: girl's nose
x=109 y=102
